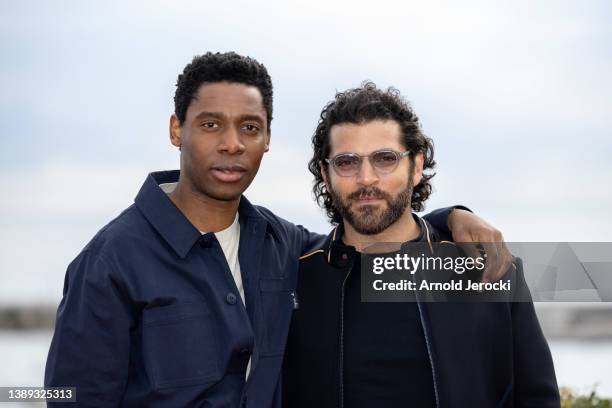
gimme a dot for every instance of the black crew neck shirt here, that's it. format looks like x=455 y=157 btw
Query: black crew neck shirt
x=386 y=363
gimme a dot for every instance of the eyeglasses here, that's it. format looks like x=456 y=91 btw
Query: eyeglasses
x=383 y=161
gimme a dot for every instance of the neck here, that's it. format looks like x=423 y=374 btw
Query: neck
x=403 y=230
x=205 y=213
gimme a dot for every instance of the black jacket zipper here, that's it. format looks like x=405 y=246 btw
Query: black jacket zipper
x=342 y=338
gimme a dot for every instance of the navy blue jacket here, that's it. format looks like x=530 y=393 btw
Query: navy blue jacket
x=151 y=316
x=482 y=354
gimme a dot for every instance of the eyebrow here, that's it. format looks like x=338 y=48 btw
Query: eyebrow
x=219 y=115
x=373 y=151
x=256 y=118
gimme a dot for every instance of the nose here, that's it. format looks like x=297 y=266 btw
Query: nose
x=367 y=175
x=230 y=142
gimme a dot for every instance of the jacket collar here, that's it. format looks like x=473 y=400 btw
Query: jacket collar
x=168 y=220
x=338 y=253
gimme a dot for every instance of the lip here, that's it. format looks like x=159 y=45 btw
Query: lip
x=228 y=173
x=367 y=200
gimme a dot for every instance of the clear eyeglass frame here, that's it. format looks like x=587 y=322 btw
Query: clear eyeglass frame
x=375 y=159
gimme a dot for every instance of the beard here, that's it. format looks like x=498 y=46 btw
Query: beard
x=371 y=219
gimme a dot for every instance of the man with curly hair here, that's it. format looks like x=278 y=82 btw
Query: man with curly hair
x=372 y=166
x=185 y=298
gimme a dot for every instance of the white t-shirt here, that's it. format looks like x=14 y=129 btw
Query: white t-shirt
x=229 y=239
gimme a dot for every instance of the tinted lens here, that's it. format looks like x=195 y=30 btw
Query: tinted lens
x=384 y=160
x=347 y=163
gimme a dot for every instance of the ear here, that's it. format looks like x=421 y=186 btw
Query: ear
x=175 y=131
x=267 y=142
x=322 y=168
x=417 y=172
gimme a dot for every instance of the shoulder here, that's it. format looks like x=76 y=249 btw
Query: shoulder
x=284 y=228
x=118 y=233
x=319 y=248
x=106 y=253
x=274 y=220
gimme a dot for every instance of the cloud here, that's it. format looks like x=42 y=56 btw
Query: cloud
x=516 y=96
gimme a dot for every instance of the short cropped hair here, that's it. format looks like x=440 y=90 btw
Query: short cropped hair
x=221 y=67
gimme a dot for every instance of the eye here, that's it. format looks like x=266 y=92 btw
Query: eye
x=384 y=158
x=345 y=161
x=251 y=128
x=209 y=124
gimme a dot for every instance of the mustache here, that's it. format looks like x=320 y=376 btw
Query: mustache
x=374 y=192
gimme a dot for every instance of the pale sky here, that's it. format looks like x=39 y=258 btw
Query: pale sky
x=517 y=96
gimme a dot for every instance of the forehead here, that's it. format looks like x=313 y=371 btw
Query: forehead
x=364 y=138
x=228 y=98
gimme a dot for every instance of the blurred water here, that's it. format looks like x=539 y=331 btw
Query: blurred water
x=582 y=364
x=24 y=354
x=579 y=364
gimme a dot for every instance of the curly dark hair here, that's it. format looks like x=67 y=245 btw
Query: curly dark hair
x=219 y=67
x=362 y=105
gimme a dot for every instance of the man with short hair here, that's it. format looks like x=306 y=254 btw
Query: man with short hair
x=372 y=166
x=185 y=298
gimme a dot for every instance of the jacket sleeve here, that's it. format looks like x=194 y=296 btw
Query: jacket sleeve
x=309 y=241
x=439 y=220
x=90 y=346
x=298 y=238
x=535 y=384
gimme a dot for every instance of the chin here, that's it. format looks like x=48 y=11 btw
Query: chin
x=369 y=229
x=221 y=194
x=227 y=195
x=224 y=191
x=369 y=210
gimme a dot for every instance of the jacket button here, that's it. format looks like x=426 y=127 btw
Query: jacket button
x=344 y=257
x=231 y=299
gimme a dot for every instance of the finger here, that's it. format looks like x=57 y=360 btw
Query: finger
x=493 y=262
x=497 y=255
x=505 y=261
x=470 y=249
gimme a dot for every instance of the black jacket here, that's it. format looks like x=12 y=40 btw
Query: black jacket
x=489 y=354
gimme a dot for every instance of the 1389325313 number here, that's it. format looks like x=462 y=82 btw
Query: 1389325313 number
x=49 y=394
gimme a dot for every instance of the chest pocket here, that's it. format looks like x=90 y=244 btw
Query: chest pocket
x=180 y=346
x=277 y=303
